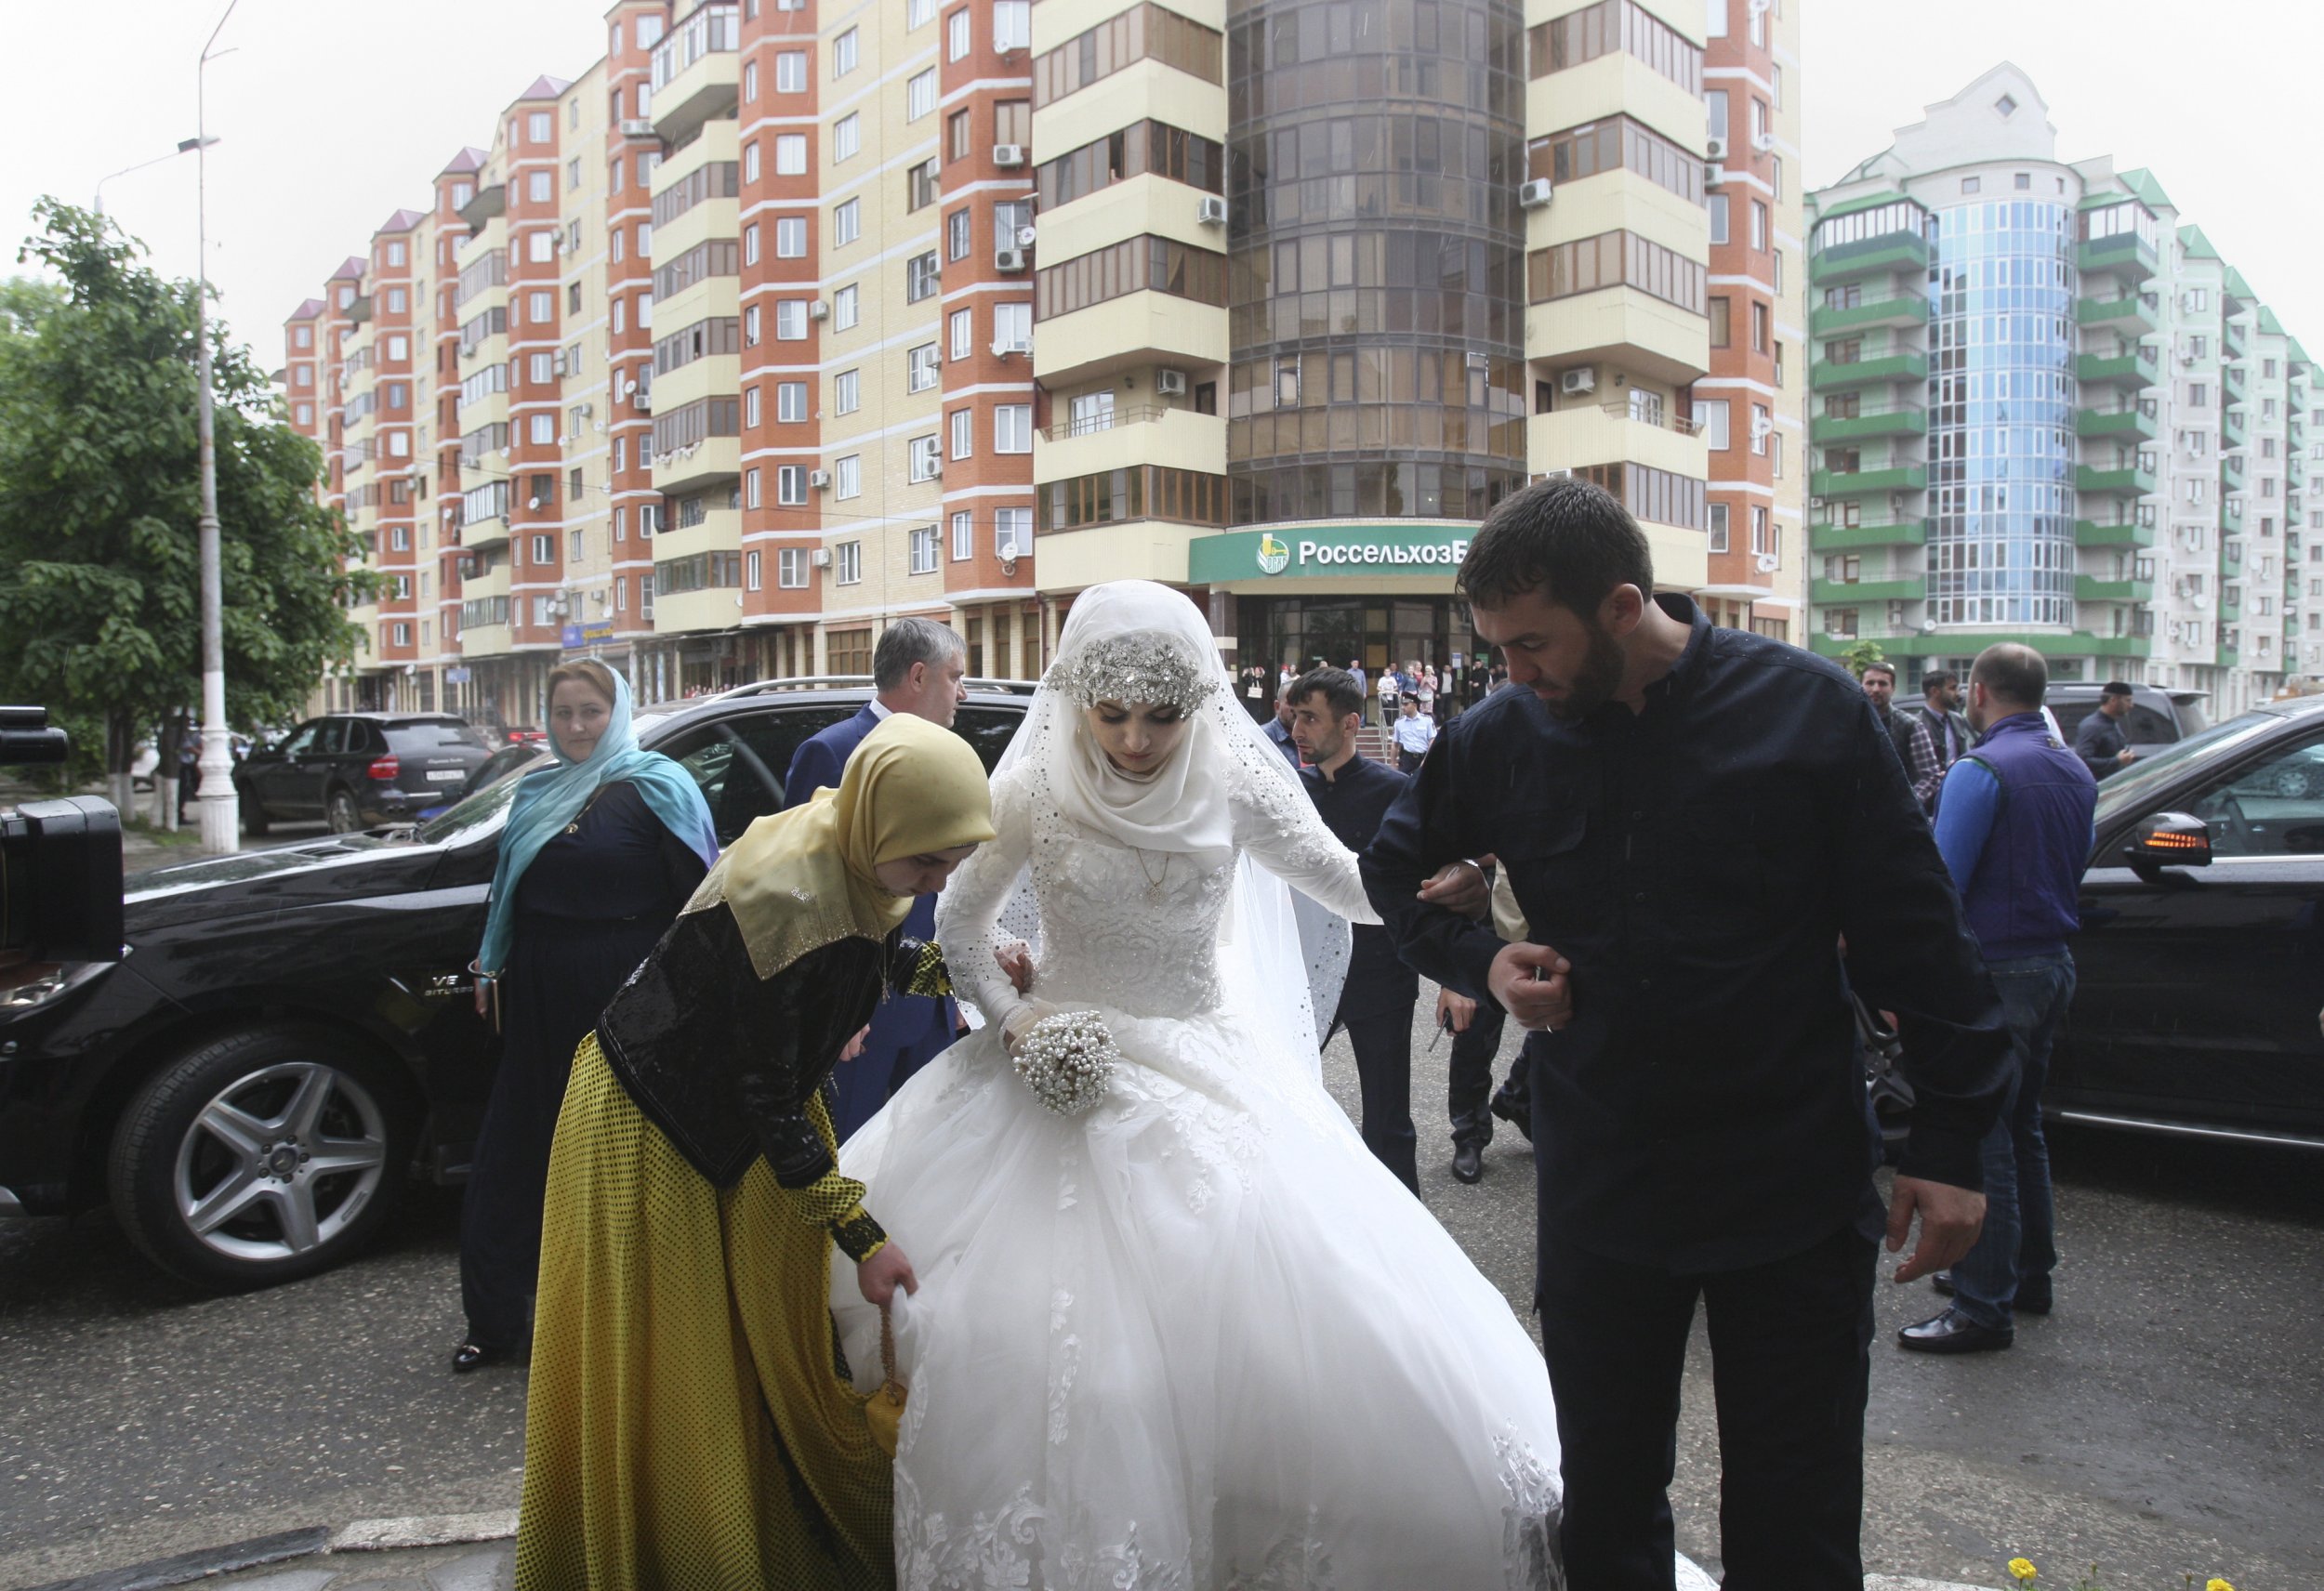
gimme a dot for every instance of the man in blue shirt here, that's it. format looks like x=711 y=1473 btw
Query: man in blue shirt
x=1414 y=731
x=2014 y=825
x=1278 y=728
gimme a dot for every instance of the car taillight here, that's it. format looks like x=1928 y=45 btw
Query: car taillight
x=383 y=768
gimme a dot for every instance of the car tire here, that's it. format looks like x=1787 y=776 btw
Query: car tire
x=213 y=1169
x=253 y=815
x=341 y=812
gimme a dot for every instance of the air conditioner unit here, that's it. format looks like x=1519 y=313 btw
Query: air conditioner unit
x=1763 y=142
x=1008 y=155
x=935 y=469
x=1768 y=563
x=1582 y=378
x=1210 y=210
x=1714 y=149
x=820 y=480
x=1009 y=259
x=583 y=411
x=557 y=361
x=820 y=558
x=1533 y=195
x=636 y=128
x=818 y=310
x=641 y=400
x=1816 y=504
x=1170 y=383
x=1896 y=504
x=1714 y=176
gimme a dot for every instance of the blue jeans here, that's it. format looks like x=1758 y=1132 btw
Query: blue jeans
x=2019 y=1246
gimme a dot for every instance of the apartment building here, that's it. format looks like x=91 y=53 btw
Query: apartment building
x=2046 y=410
x=786 y=318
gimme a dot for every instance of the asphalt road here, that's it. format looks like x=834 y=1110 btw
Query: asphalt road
x=2163 y=1421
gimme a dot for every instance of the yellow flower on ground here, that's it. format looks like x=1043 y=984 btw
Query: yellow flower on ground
x=2216 y=1584
x=2023 y=1568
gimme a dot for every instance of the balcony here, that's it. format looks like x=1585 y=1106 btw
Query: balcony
x=2230 y=612
x=1867 y=482
x=1910 y=309
x=1953 y=639
x=359 y=309
x=1871 y=256
x=2118 y=424
x=1593 y=433
x=1830 y=375
x=2130 y=479
x=1863 y=593
x=2128 y=314
x=2089 y=588
x=2232 y=380
x=2090 y=534
x=2231 y=427
x=2125 y=253
x=1129 y=435
x=488 y=202
x=1826 y=429
x=2131 y=370
x=2232 y=340
x=1823 y=538
x=697 y=71
x=2231 y=558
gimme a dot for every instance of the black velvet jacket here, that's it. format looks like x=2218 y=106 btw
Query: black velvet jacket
x=725 y=1062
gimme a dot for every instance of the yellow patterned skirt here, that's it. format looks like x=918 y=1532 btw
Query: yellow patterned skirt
x=687 y=1427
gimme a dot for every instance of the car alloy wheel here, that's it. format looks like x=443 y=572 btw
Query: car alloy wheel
x=345 y=819
x=280 y=1161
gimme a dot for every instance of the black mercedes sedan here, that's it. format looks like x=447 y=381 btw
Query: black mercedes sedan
x=291 y=1037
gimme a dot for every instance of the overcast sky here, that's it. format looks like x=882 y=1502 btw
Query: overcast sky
x=334 y=113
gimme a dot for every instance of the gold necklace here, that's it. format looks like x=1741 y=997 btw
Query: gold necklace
x=1153 y=884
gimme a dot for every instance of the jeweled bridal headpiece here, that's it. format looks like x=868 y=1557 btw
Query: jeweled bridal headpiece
x=1147 y=666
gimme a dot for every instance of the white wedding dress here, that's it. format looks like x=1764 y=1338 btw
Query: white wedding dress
x=1197 y=1338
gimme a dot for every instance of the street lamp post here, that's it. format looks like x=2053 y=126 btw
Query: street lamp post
x=185 y=146
x=219 y=807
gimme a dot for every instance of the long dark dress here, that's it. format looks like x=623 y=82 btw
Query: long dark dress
x=590 y=908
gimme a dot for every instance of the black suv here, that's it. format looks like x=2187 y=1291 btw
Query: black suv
x=2159 y=717
x=358 y=770
x=292 y=1035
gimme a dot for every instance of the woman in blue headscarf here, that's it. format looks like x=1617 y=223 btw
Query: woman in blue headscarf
x=600 y=854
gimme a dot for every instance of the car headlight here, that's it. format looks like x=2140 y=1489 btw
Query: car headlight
x=40 y=985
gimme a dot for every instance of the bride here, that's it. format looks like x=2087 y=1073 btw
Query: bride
x=1195 y=1336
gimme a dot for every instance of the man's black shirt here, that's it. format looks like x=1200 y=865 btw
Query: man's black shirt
x=1352 y=804
x=1697 y=864
x=2099 y=742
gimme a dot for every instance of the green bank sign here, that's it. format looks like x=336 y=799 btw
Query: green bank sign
x=1294 y=551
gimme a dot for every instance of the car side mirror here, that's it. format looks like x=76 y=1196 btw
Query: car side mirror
x=2169 y=839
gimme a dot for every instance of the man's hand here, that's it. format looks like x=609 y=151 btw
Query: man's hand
x=1530 y=982
x=1460 y=887
x=1951 y=1219
x=854 y=1046
x=1016 y=965
x=2125 y=756
x=879 y=1277
x=1456 y=1011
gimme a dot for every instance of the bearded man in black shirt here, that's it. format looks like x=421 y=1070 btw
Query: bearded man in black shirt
x=1691 y=819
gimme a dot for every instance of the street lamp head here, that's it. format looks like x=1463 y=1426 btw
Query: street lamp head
x=187 y=146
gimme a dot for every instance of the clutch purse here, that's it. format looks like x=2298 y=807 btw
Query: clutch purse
x=884 y=1414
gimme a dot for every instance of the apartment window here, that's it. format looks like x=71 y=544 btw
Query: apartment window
x=1012 y=532
x=847 y=393
x=847 y=562
x=920 y=185
x=1615 y=259
x=544 y=431
x=790 y=485
x=750 y=489
x=1013 y=324
x=1719 y=326
x=1616 y=143
x=919 y=95
x=2198 y=395
x=750 y=243
x=541 y=247
x=1710 y=422
x=963 y=327
x=790 y=402
x=957 y=133
x=1719 y=525
x=847 y=475
x=919 y=13
x=1012 y=25
x=847 y=222
x=843 y=309
x=540 y=187
x=537 y=127
x=303 y=336
x=751 y=408
x=750 y=326
x=1611 y=27
x=1012 y=427
x=790 y=72
x=790 y=154
x=305 y=413
x=791 y=319
x=957 y=230
x=920 y=368
x=922 y=277
x=957 y=41
x=1763 y=536
x=963 y=423
x=790 y=568
x=750 y=82
x=1013 y=121
x=923 y=550
x=1759 y=226
x=963 y=535
x=927 y=459
x=1759 y=326
x=790 y=236
x=843 y=53
x=645 y=596
x=1763 y=423
x=847 y=137
x=750 y=161
x=1140 y=32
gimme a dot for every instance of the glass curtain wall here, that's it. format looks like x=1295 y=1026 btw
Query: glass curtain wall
x=1376 y=266
x=2001 y=396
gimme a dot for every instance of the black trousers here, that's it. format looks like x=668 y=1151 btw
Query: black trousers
x=1469 y=1079
x=1791 y=1367
x=500 y=1212
x=1383 y=1065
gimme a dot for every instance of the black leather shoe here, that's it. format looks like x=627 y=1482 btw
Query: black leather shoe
x=2033 y=1299
x=1953 y=1332
x=469 y=1356
x=1468 y=1162
x=1514 y=1108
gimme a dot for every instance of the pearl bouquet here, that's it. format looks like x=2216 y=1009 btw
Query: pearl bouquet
x=1068 y=1059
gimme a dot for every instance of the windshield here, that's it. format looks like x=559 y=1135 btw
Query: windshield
x=420 y=736
x=2133 y=785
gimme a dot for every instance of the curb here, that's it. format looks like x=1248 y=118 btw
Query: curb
x=360 y=1535
x=1914 y=1582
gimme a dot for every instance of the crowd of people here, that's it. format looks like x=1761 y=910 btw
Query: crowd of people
x=1075 y=1273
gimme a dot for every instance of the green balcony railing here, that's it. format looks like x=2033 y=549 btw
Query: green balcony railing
x=1852 y=538
x=2232 y=381
x=2092 y=534
x=2122 y=313
x=2230 y=657
x=1954 y=642
x=1857 y=593
x=2115 y=424
x=2231 y=429
x=2231 y=613
x=2119 y=369
x=1870 y=256
x=2130 y=479
x=2125 y=253
x=1825 y=374
x=1826 y=429
x=1867 y=483
x=2089 y=588
x=1908 y=310
x=2231 y=339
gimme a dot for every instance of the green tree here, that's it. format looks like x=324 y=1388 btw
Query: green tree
x=99 y=566
x=1863 y=656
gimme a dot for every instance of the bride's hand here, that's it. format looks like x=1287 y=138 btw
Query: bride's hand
x=1023 y=1021
x=879 y=1277
x=1016 y=965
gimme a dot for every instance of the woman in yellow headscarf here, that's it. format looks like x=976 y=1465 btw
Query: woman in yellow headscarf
x=690 y=1423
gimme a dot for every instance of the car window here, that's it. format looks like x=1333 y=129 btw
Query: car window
x=2272 y=807
x=740 y=760
x=301 y=742
x=427 y=737
x=2191 y=715
x=2133 y=787
x=989 y=730
x=2069 y=716
x=330 y=737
